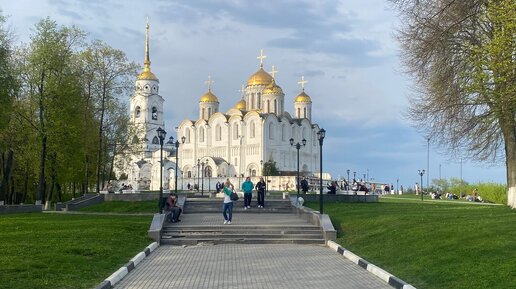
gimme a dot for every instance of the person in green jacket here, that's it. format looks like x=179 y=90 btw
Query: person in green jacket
x=247 y=187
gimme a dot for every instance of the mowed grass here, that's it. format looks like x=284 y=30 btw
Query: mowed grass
x=67 y=251
x=123 y=207
x=431 y=244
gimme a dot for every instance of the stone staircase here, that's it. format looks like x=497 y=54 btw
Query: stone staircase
x=195 y=206
x=202 y=223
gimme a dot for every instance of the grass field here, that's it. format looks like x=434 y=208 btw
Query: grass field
x=67 y=251
x=431 y=244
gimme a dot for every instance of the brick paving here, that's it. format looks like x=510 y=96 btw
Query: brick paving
x=248 y=266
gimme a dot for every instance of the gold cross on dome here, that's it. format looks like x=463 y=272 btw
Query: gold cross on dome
x=209 y=82
x=242 y=91
x=261 y=57
x=302 y=82
x=273 y=72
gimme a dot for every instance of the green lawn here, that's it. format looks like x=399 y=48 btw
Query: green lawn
x=67 y=251
x=431 y=244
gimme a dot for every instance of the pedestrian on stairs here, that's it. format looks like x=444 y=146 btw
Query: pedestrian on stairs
x=247 y=187
x=227 y=209
x=260 y=189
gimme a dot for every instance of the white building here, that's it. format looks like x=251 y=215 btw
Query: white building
x=233 y=144
x=256 y=130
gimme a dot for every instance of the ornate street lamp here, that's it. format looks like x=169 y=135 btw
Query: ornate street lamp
x=176 y=145
x=202 y=178
x=320 y=135
x=349 y=184
x=421 y=173
x=198 y=173
x=298 y=146
x=161 y=135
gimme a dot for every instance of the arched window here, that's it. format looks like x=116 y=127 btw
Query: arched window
x=258 y=100
x=304 y=112
x=251 y=101
x=235 y=131
x=268 y=106
x=275 y=106
x=207 y=172
x=202 y=113
x=189 y=174
x=187 y=134
x=155 y=140
x=298 y=112
x=252 y=127
x=271 y=130
x=253 y=173
x=218 y=132
x=209 y=112
x=201 y=134
x=154 y=113
x=137 y=112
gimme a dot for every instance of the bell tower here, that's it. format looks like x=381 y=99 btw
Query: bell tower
x=146 y=105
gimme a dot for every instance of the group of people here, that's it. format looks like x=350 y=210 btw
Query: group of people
x=247 y=187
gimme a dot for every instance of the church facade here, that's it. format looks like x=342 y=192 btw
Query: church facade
x=258 y=129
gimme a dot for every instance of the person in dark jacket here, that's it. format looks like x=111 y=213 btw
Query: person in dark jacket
x=304 y=185
x=260 y=188
x=332 y=188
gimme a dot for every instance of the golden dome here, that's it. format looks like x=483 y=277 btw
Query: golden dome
x=147 y=75
x=260 y=78
x=209 y=97
x=303 y=97
x=273 y=88
x=241 y=105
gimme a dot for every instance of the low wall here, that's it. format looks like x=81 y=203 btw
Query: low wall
x=341 y=198
x=87 y=201
x=136 y=197
x=15 y=209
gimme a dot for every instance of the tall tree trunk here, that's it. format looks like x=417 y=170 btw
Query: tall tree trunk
x=73 y=190
x=7 y=168
x=112 y=163
x=86 y=176
x=509 y=132
x=43 y=156
x=101 y=130
x=25 y=184
x=13 y=197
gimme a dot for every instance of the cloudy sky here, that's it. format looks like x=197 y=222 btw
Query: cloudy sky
x=345 y=49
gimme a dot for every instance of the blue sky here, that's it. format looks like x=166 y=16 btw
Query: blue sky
x=345 y=49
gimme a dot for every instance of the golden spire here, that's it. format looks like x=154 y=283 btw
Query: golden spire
x=261 y=57
x=273 y=72
x=302 y=82
x=146 y=62
x=147 y=74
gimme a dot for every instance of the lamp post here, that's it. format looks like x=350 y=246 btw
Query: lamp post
x=421 y=173
x=320 y=135
x=347 y=189
x=198 y=173
x=176 y=145
x=161 y=135
x=397 y=182
x=355 y=176
x=202 y=178
x=297 y=146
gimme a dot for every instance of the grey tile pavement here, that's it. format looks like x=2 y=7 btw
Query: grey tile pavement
x=248 y=266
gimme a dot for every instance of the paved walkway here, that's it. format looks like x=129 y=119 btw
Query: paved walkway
x=248 y=266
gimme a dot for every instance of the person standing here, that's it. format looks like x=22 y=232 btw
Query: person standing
x=260 y=188
x=304 y=185
x=247 y=187
x=227 y=208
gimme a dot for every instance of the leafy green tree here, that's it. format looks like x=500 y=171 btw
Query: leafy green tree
x=461 y=55
x=111 y=76
x=270 y=168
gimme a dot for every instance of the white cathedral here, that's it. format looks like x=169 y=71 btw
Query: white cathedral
x=219 y=145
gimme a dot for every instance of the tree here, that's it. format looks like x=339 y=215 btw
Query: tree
x=270 y=168
x=111 y=75
x=462 y=56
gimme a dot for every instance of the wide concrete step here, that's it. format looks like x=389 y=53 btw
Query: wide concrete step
x=250 y=228
x=237 y=235
x=242 y=231
x=216 y=241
